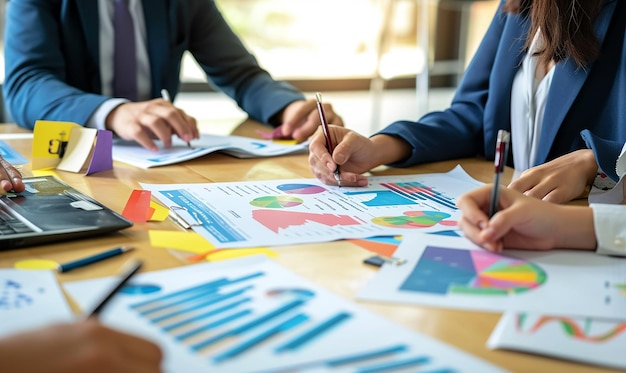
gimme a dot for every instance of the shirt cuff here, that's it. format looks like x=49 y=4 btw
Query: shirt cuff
x=98 y=118
x=609 y=223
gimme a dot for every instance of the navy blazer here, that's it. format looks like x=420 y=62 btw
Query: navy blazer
x=592 y=98
x=52 y=58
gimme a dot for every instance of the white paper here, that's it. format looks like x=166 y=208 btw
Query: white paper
x=78 y=149
x=587 y=340
x=260 y=287
x=242 y=147
x=29 y=300
x=283 y=212
x=452 y=272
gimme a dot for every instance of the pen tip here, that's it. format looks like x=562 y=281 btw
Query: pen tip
x=318 y=97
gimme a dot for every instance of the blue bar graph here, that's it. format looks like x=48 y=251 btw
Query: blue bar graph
x=226 y=318
x=249 y=325
x=393 y=365
x=418 y=191
x=314 y=332
x=280 y=328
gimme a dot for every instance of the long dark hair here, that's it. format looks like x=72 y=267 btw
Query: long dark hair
x=566 y=25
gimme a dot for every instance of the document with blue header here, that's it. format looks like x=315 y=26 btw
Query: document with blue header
x=238 y=146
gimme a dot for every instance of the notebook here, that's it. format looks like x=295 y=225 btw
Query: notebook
x=50 y=210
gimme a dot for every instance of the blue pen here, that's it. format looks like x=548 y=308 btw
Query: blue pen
x=92 y=259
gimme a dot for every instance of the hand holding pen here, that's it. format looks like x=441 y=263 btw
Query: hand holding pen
x=502 y=150
x=329 y=144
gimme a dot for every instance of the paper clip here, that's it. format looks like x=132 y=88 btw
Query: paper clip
x=378 y=260
x=176 y=216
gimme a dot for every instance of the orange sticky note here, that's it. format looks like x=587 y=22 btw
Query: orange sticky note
x=137 y=207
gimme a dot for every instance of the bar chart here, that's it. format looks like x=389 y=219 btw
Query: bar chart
x=252 y=315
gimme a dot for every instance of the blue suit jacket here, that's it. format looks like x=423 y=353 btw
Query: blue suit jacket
x=52 y=58
x=593 y=99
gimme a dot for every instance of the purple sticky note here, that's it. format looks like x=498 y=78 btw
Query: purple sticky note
x=102 y=157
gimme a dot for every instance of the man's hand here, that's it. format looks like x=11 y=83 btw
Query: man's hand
x=10 y=177
x=300 y=119
x=149 y=120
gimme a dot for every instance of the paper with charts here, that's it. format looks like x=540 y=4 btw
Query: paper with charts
x=29 y=300
x=584 y=339
x=282 y=212
x=452 y=272
x=238 y=146
x=253 y=315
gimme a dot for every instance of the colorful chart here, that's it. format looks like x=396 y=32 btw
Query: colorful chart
x=415 y=219
x=621 y=288
x=301 y=188
x=571 y=328
x=281 y=219
x=382 y=245
x=380 y=198
x=419 y=192
x=444 y=271
x=276 y=202
x=13 y=296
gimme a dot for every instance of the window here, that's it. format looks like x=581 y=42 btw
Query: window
x=321 y=39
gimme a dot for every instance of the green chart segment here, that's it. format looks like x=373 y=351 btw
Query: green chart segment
x=276 y=202
x=456 y=271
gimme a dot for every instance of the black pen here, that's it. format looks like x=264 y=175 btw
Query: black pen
x=128 y=270
x=502 y=150
x=329 y=143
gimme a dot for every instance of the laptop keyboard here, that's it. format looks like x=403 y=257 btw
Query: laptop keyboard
x=11 y=225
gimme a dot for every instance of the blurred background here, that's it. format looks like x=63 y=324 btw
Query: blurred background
x=376 y=61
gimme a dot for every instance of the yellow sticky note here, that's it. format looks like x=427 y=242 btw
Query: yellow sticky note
x=47 y=172
x=50 y=141
x=186 y=241
x=36 y=264
x=286 y=142
x=160 y=212
x=238 y=253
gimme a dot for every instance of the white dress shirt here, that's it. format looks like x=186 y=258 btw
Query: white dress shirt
x=105 y=10
x=528 y=102
x=609 y=216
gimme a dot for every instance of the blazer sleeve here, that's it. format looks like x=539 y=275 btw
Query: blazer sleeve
x=605 y=151
x=456 y=132
x=35 y=83
x=232 y=68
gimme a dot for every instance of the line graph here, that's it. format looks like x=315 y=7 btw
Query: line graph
x=572 y=328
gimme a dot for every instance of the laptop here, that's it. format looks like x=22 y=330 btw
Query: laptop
x=50 y=210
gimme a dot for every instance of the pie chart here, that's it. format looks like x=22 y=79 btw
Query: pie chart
x=443 y=270
x=276 y=202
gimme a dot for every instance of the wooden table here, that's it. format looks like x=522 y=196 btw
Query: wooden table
x=337 y=266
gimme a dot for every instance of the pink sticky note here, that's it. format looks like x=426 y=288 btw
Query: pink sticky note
x=137 y=207
x=276 y=134
x=102 y=157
